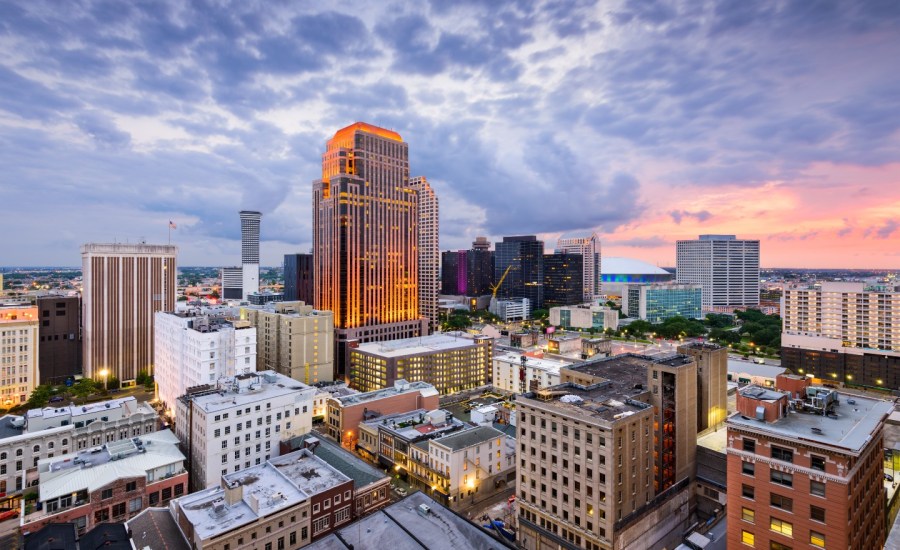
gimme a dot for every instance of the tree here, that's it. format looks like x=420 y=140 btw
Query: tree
x=39 y=397
x=639 y=327
x=540 y=314
x=83 y=388
x=717 y=320
x=724 y=336
x=214 y=294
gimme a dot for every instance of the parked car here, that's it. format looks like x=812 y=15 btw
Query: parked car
x=8 y=514
x=889 y=477
x=57 y=399
x=400 y=491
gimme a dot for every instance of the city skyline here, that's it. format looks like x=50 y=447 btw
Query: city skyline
x=648 y=124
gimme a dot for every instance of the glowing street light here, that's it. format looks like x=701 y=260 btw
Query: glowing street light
x=105 y=374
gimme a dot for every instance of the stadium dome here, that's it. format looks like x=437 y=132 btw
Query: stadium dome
x=629 y=270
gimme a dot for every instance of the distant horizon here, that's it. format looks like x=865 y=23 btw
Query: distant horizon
x=263 y=266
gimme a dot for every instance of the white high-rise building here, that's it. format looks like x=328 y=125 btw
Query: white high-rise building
x=250 y=252
x=192 y=350
x=429 y=251
x=726 y=267
x=240 y=422
x=588 y=246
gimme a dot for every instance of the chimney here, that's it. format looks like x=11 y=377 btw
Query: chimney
x=311 y=443
x=234 y=491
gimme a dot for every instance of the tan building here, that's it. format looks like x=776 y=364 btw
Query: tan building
x=451 y=362
x=124 y=285
x=429 y=251
x=712 y=383
x=18 y=354
x=366 y=238
x=805 y=468
x=294 y=340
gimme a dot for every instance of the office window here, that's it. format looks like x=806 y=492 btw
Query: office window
x=817 y=463
x=747 y=468
x=817 y=488
x=817 y=514
x=785 y=455
x=781 y=526
x=748 y=515
x=782 y=502
x=817 y=539
x=748 y=538
x=749 y=445
x=782 y=478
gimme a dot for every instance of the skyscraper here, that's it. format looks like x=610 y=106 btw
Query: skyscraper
x=365 y=239
x=480 y=267
x=429 y=250
x=726 y=267
x=250 y=252
x=588 y=246
x=524 y=256
x=124 y=285
x=60 y=334
x=298 y=278
x=563 y=283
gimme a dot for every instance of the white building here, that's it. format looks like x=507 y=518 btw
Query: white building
x=192 y=350
x=249 y=252
x=472 y=462
x=429 y=251
x=726 y=267
x=542 y=372
x=511 y=309
x=585 y=316
x=18 y=353
x=327 y=390
x=239 y=422
x=588 y=246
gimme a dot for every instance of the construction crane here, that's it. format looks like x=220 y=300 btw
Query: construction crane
x=496 y=287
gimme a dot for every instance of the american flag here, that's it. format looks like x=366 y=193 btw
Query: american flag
x=172 y=225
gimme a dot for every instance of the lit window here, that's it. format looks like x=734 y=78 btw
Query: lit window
x=748 y=538
x=782 y=527
x=748 y=515
x=817 y=539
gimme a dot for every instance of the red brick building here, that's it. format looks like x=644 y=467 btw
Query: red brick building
x=805 y=468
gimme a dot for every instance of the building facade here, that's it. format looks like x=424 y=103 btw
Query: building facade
x=712 y=382
x=563 y=279
x=298 y=278
x=524 y=256
x=453 y=273
x=232 y=283
x=585 y=316
x=655 y=303
x=192 y=350
x=60 y=338
x=429 y=251
x=294 y=340
x=588 y=247
x=522 y=373
x=726 y=267
x=843 y=332
x=124 y=286
x=249 y=252
x=240 y=422
x=19 y=353
x=365 y=239
x=805 y=468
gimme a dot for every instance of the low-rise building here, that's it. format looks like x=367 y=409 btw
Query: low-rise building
x=295 y=340
x=511 y=309
x=240 y=422
x=55 y=431
x=521 y=373
x=451 y=362
x=345 y=413
x=747 y=372
x=585 y=316
x=656 y=302
x=112 y=482
x=591 y=347
x=325 y=390
x=192 y=350
x=285 y=502
x=564 y=344
x=387 y=439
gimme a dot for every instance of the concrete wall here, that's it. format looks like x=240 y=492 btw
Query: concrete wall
x=661 y=527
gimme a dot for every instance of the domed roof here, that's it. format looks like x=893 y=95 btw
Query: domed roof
x=612 y=265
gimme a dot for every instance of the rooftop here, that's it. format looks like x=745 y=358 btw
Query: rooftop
x=850 y=427
x=613 y=265
x=245 y=389
x=420 y=345
x=400 y=386
x=348 y=131
x=468 y=438
x=549 y=365
x=124 y=406
x=754 y=369
x=360 y=471
x=404 y=525
x=155 y=529
x=415 y=424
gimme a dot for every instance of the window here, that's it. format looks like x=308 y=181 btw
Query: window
x=782 y=478
x=179 y=489
x=817 y=463
x=781 y=502
x=817 y=539
x=747 y=538
x=134 y=505
x=780 y=526
x=167 y=493
x=107 y=493
x=748 y=515
x=130 y=486
x=749 y=445
x=154 y=498
x=747 y=468
x=785 y=455
x=778 y=546
x=118 y=509
x=101 y=515
x=817 y=488
x=817 y=514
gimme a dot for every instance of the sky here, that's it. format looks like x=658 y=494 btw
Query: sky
x=643 y=121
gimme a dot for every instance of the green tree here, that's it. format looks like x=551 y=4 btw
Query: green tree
x=718 y=320
x=725 y=336
x=639 y=328
x=39 y=397
x=540 y=314
x=84 y=388
x=214 y=294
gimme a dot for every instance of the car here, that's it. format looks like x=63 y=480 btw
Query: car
x=57 y=399
x=8 y=514
x=400 y=491
x=889 y=477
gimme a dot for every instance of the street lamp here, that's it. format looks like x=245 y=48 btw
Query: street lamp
x=105 y=374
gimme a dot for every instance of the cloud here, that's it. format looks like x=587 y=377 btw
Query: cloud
x=883 y=231
x=639 y=242
x=700 y=216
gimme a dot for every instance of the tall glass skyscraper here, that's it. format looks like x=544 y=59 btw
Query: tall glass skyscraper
x=525 y=279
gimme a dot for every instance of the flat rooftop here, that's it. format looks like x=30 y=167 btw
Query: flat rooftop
x=754 y=369
x=475 y=436
x=400 y=386
x=253 y=387
x=851 y=426
x=357 y=469
x=413 y=425
x=124 y=406
x=402 y=526
x=419 y=346
x=544 y=364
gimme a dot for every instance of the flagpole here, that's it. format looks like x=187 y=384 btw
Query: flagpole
x=170 y=232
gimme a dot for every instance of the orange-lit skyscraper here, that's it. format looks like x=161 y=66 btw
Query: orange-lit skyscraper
x=365 y=239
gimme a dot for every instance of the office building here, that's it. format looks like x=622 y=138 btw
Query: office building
x=61 y=430
x=523 y=373
x=712 y=382
x=656 y=302
x=726 y=267
x=298 y=278
x=588 y=247
x=521 y=259
x=563 y=274
x=19 y=353
x=284 y=502
x=453 y=273
x=805 y=468
x=124 y=286
x=429 y=251
x=264 y=297
x=294 y=340
x=345 y=413
x=511 y=309
x=451 y=362
x=479 y=268
x=843 y=332
x=585 y=316
x=60 y=338
x=232 y=283
x=240 y=422
x=365 y=239
x=108 y=483
x=249 y=252
x=192 y=350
